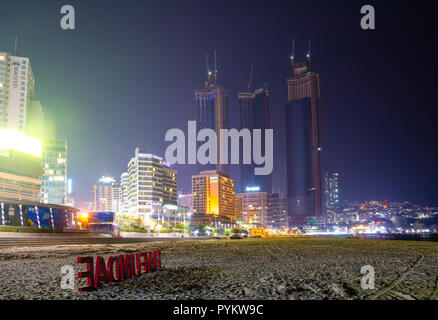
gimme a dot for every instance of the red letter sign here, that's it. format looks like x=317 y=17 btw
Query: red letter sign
x=100 y=273
x=87 y=274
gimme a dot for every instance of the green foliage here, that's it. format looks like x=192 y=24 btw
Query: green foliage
x=140 y=230
x=130 y=223
x=200 y=228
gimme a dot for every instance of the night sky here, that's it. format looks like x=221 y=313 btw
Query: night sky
x=127 y=74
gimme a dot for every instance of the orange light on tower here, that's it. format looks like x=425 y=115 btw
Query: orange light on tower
x=213 y=197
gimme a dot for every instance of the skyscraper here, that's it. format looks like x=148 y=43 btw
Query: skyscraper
x=304 y=165
x=254 y=114
x=54 y=178
x=212 y=110
x=16 y=89
x=332 y=189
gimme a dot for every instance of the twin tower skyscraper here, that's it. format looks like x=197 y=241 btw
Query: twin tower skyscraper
x=303 y=141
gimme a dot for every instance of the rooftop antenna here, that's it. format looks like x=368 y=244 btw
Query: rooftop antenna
x=15 y=49
x=215 y=67
x=292 y=57
x=208 y=67
x=308 y=53
x=251 y=72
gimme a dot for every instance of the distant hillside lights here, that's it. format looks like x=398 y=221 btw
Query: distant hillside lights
x=207 y=152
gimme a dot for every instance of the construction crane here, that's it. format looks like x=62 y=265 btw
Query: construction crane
x=292 y=57
x=251 y=72
x=308 y=53
x=208 y=67
x=215 y=67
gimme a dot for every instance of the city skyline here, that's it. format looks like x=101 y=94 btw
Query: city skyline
x=363 y=144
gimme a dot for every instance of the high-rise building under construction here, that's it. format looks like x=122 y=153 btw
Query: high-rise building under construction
x=212 y=111
x=254 y=114
x=304 y=159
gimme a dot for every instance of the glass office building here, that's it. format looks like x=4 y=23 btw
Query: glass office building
x=54 y=178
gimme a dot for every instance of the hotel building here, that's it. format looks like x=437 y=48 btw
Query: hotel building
x=16 y=90
x=278 y=218
x=107 y=195
x=255 y=208
x=150 y=183
x=213 y=198
x=124 y=184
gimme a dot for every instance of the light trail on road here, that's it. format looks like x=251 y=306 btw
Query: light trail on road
x=53 y=240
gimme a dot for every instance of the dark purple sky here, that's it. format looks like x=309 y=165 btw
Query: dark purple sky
x=127 y=74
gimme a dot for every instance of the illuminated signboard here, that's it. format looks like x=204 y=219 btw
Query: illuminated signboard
x=252 y=189
x=10 y=139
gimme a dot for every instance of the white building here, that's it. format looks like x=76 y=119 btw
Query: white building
x=107 y=195
x=151 y=183
x=16 y=90
x=124 y=184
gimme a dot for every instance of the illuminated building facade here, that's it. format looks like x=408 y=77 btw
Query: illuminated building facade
x=213 y=198
x=332 y=189
x=255 y=208
x=264 y=209
x=54 y=179
x=212 y=112
x=124 y=185
x=151 y=183
x=304 y=160
x=169 y=176
x=107 y=195
x=20 y=167
x=254 y=114
x=277 y=218
x=238 y=208
x=16 y=89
